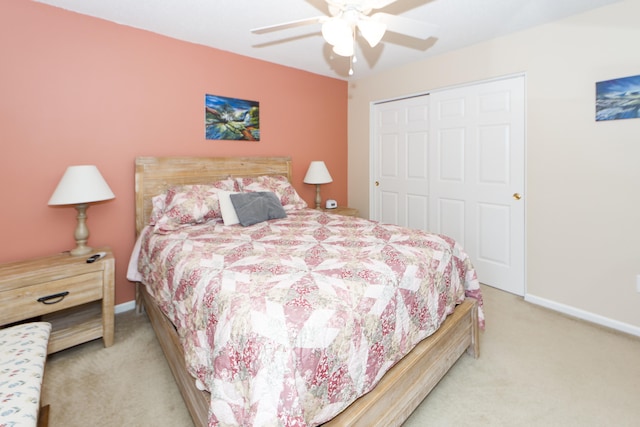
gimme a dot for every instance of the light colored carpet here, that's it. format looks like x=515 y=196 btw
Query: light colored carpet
x=536 y=368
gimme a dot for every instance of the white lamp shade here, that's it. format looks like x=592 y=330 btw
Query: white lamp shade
x=335 y=31
x=317 y=173
x=344 y=49
x=81 y=184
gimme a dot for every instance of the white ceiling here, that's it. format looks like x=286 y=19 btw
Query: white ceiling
x=226 y=25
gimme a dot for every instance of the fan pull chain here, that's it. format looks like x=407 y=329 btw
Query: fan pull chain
x=353 y=58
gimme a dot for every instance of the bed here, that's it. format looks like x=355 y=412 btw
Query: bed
x=394 y=395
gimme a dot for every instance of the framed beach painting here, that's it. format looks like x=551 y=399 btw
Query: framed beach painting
x=231 y=119
x=618 y=99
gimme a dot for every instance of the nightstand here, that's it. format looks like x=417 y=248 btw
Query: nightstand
x=76 y=297
x=342 y=210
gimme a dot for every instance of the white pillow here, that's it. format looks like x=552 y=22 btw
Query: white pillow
x=229 y=216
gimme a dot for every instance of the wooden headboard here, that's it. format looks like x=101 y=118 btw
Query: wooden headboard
x=154 y=175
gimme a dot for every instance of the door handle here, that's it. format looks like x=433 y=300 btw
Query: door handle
x=517 y=196
x=377 y=184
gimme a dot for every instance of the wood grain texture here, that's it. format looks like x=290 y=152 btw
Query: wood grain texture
x=74 y=318
x=398 y=393
x=154 y=175
x=342 y=210
x=43 y=416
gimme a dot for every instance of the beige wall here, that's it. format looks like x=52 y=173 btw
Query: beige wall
x=583 y=177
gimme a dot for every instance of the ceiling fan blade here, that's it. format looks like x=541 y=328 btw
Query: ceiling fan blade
x=334 y=10
x=407 y=26
x=290 y=24
x=379 y=4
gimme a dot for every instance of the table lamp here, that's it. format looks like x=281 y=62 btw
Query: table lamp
x=79 y=186
x=317 y=174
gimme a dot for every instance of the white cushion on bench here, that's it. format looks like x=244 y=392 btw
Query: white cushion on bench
x=23 y=352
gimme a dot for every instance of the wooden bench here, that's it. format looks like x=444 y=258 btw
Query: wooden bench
x=23 y=353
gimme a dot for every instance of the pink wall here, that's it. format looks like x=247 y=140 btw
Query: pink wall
x=78 y=90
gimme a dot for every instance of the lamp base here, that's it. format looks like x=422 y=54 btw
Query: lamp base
x=80 y=250
x=318 y=199
x=81 y=233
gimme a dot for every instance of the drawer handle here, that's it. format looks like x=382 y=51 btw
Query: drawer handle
x=57 y=297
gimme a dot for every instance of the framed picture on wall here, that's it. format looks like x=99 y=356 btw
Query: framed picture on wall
x=618 y=99
x=231 y=119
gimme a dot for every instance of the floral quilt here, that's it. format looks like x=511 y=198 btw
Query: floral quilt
x=288 y=321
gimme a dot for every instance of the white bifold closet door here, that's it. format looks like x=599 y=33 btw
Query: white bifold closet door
x=452 y=162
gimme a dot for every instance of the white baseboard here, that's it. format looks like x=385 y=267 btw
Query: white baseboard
x=125 y=306
x=584 y=315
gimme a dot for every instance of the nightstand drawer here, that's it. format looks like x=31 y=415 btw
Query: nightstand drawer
x=81 y=289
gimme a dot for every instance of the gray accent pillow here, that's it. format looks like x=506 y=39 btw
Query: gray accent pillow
x=256 y=207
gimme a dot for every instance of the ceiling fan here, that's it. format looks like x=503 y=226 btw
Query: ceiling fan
x=348 y=17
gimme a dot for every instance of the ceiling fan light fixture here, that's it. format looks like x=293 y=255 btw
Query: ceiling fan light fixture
x=344 y=49
x=335 y=31
x=350 y=19
x=372 y=31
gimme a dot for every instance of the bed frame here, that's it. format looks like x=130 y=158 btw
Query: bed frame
x=400 y=390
